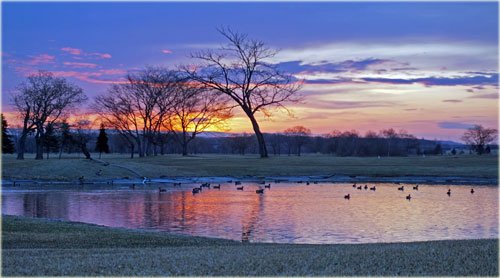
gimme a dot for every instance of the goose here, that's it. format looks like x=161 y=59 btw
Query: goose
x=415 y=187
x=354 y=185
x=259 y=191
x=359 y=187
x=307 y=183
x=161 y=189
x=239 y=188
x=472 y=191
x=449 y=192
x=177 y=184
x=237 y=182
x=373 y=188
x=408 y=197
x=217 y=186
x=402 y=188
x=366 y=187
x=348 y=196
x=267 y=186
x=196 y=190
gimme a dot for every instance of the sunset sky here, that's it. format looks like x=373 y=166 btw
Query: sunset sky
x=429 y=68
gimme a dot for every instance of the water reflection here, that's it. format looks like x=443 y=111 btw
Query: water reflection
x=286 y=213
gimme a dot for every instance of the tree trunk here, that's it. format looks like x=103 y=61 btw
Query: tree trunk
x=100 y=153
x=298 y=150
x=132 y=150
x=85 y=151
x=259 y=135
x=21 y=146
x=39 y=147
x=184 y=149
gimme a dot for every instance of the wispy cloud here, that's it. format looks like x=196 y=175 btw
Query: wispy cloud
x=166 y=51
x=454 y=125
x=72 y=51
x=452 y=100
x=41 y=59
x=80 y=65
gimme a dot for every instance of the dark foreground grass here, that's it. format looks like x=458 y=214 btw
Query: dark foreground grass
x=70 y=168
x=35 y=247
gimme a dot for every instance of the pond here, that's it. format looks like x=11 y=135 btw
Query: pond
x=285 y=213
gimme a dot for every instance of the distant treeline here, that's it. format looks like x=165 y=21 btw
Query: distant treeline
x=337 y=144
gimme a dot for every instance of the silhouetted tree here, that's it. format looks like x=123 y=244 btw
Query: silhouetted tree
x=65 y=138
x=240 y=71
x=40 y=101
x=390 y=134
x=7 y=144
x=196 y=111
x=477 y=137
x=50 y=141
x=138 y=108
x=102 y=141
x=438 y=150
x=299 y=136
x=82 y=135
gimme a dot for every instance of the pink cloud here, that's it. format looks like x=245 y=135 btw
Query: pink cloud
x=166 y=51
x=72 y=51
x=41 y=59
x=93 y=77
x=113 y=71
x=97 y=55
x=80 y=65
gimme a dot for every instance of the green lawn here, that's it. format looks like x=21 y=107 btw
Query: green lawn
x=36 y=247
x=235 y=165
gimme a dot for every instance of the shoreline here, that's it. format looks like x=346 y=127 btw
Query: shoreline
x=63 y=248
x=437 y=180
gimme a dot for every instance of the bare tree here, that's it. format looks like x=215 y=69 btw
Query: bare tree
x=478 y=137
x=240 y=71
x=299 y=136
x=389 y=134
x=41 y=101
x=138 y=108
x=196 y=111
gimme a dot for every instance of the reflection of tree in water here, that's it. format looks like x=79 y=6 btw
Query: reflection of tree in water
x=45 y=205
x=250 y=220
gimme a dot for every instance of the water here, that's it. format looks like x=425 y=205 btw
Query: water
x=287 y=213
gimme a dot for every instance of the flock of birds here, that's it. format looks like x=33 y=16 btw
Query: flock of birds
x=402 y=188
x=261 y=189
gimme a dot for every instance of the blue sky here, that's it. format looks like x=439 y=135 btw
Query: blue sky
x=358 y=59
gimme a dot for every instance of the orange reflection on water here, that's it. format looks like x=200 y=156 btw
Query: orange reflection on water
x=295 y=213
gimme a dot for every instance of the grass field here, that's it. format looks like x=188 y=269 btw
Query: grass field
x=36 y=247
x=70 y=168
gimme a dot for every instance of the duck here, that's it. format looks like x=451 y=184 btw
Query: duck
x=402 y=188
x=408 y=197
x=415 y=187
x=449 y=192
x=259 y=191
x=472 y=191
x=217 y=186
x=161 y=189
x=239 y=188
x=267 y=186
x=373 y=188
x=348 y=196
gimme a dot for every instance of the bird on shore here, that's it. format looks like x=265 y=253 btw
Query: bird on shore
x=348 y=196
x=366 y=187
x=472 y=191
x=237 y=182
x=359 y=187
x=449 y=192
x=415 y=187
x=239 y=188
x=307 y=183
x=267 y=186
x=373 y=188
x=408 y=197
x=354 y=185
x=259 y=191
x=196 y=190
x=402 y=188
x=217 y=186
x=160 y=190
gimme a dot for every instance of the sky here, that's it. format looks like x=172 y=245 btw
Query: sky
x=430 y=68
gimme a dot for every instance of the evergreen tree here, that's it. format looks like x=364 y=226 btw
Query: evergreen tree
x=438 y=150
x=102 y=141
x=65 y=138
x=487 y=150
x=50 y=140
x=7 y=144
